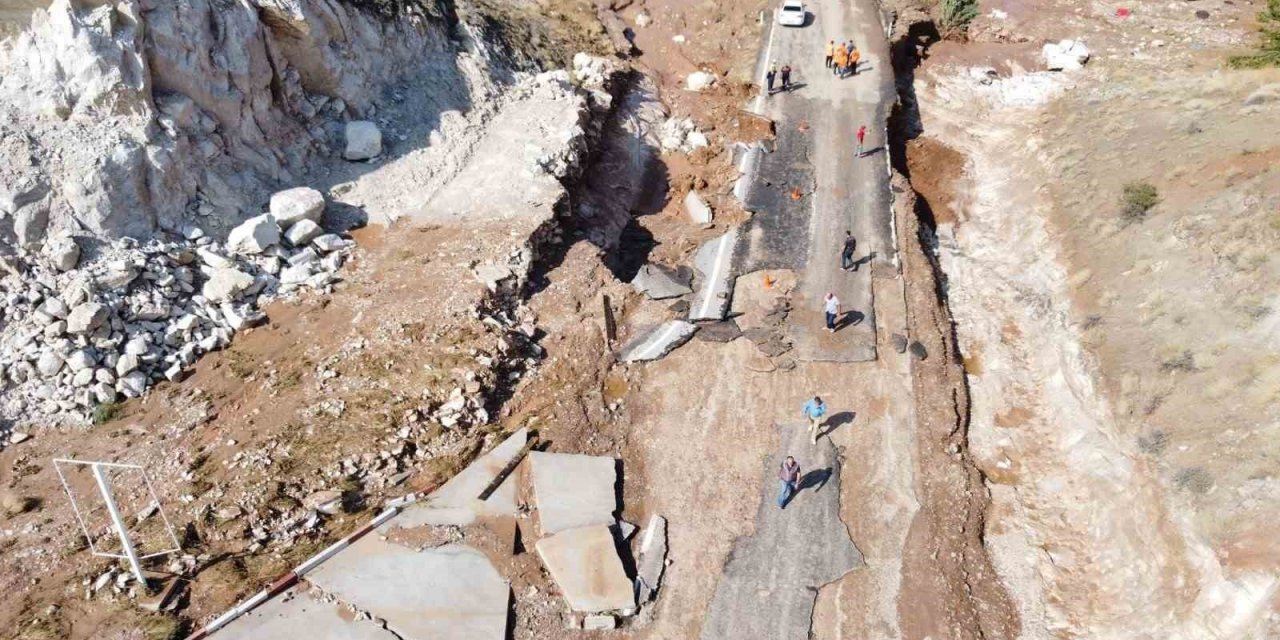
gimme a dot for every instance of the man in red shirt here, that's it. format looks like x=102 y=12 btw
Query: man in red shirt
x=862 y=135
x=789 y=476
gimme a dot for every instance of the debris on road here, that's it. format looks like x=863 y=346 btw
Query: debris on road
x=660 y=283
x=653 y=559
x=714 y=262
x=657 y=341
x=697 y=208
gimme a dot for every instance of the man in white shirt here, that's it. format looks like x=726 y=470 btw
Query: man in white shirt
x=831 y=305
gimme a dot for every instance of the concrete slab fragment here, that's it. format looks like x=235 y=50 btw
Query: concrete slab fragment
x=458 y=503
x=585 y=565
x=573 y=490
x=296 y=615
x=714 y=262
x=657 y=341
x=660 y=283
x=451 y=592
x=653 y=558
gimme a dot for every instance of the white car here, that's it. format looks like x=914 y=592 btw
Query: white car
x=792 y=13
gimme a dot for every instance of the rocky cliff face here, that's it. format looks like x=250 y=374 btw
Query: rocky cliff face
x=123 y=118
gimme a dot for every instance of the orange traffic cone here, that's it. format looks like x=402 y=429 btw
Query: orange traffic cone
x=795 y=194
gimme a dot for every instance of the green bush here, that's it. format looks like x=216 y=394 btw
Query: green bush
x=1137 y=200
x=956 y=15
x=1268 y=54
x=106 y=412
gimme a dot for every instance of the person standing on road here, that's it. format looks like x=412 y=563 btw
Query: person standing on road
x=789 y=477
x=831 y=49
x=837 y=65
x=831 y=305
x=786 y=77
x=768 y=78
x=854 y=57
x=846 y=254
x=814 y=410
x=862 y=136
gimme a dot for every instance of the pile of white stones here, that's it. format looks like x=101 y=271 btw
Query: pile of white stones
x=75 y=338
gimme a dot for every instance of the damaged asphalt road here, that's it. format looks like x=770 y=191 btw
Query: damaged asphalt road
x=772 y=577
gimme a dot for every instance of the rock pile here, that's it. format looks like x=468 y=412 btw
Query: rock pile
x=76 y=338
x=680 y=134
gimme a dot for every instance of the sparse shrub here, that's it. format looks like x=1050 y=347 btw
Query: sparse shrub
x=1184 y=362
x=162 y=627
x=106 y=412
x=1268 y=54
x=1154 y=444
x=955 y=16
x=1138 y=198
x=1193 y=479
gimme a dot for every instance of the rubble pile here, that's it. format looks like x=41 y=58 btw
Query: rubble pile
x=141 y=312
x=681 y=134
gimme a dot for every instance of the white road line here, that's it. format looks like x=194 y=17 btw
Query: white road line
x=717 y=269
x=758 y=106
x=659 y=338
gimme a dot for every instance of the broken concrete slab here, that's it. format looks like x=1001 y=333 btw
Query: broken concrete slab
x=451 y=592
x=697 y=208
x=723 y=331
x=585 y=565
x=599 y=623
x=573 y=490
x=657 y=341
x=660 y=283
x=458 y=503
x=297 y=615
x=758 y=294
x=653 y=558
x=714 y=262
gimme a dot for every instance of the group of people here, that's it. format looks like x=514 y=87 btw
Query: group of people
x=789 y=471
x=773 y=74
x=843 y=59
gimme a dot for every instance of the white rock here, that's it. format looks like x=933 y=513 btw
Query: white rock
x=217 y=261
x=63 y=252
x=678 y=39
x=303 y=257
x=295 y=274
x=300 y=203
x=698 y=210
x=643 y=19
x=225 y=284
x=132 y=385
x=696 y=139
x=302 y=232
x=103 y=392
x=86 y=317
x=1066 y=55
x=55 y=329
x=17 y=437
x=174 y=373
x=137 y=345
x=54 y=308
x=128 y=363
x=238 y=320
x=81 y=360
x=82 y=378
x=49 y=364
x=254 y=235
x=329 y=242
x=364 y=140
x=699 y=80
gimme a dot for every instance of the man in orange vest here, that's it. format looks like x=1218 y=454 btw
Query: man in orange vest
x=840 y=60
x=854 y=57
x=830 y=49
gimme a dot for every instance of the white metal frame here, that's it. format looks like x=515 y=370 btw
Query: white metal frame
x=122 y=530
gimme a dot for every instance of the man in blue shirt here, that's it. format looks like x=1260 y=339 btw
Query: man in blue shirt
x=814 y=410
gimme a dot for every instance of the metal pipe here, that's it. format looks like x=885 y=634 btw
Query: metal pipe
x=125 y=543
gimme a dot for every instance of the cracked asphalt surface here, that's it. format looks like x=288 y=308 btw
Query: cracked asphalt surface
x=772 y=578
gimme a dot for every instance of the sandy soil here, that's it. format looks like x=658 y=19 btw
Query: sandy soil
x=1121 y=389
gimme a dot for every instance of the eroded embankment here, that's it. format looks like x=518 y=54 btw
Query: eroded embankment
x=954 y=589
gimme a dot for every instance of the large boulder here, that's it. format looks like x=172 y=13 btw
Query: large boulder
x=364 y=140
x=63 y=252
x=86 y=317
x=699 y=80
x=254 y=235
x=300 y=203
x=225 y=284
x=1066 y=55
